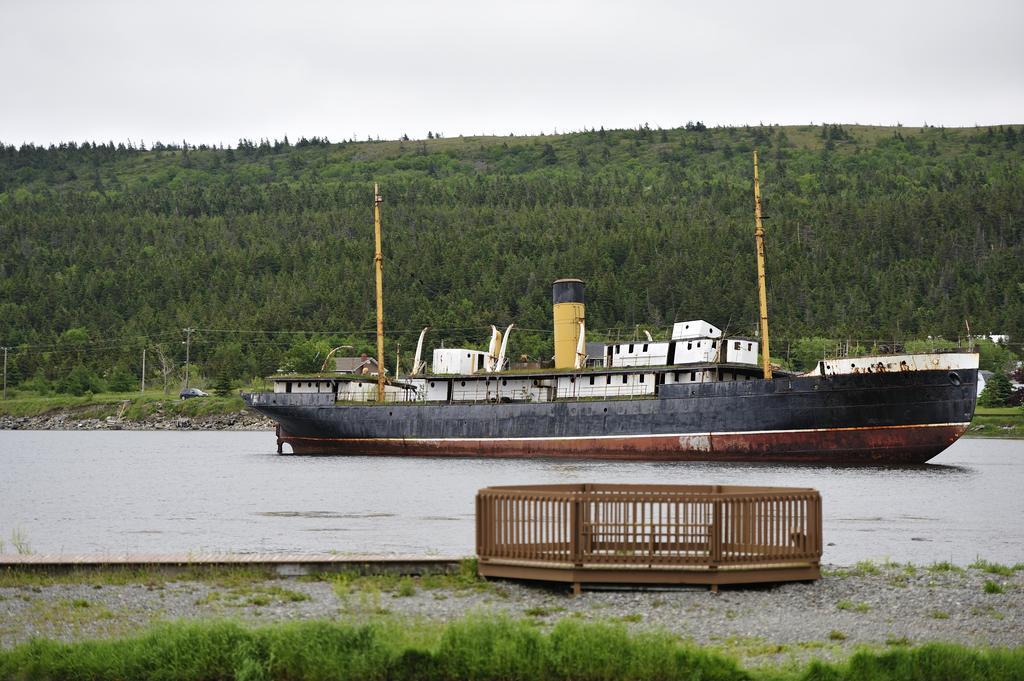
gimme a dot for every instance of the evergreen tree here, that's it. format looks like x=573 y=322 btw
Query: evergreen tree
x=997 y=391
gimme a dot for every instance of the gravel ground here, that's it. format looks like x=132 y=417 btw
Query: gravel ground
x=874 y=605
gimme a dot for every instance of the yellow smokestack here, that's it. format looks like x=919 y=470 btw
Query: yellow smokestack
x=567 y=297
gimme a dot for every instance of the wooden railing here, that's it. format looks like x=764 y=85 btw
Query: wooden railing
x=663 y=527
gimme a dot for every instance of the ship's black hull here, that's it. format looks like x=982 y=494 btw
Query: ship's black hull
x=882 y=418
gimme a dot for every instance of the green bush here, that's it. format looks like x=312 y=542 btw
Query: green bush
x=471 y=649
x=81 y=380
x=121 y=381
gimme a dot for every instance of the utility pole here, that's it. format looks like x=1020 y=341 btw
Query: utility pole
x=761 y=289
x=5 y=372
x=143 y=370
x=188 y=347
x=378 y=258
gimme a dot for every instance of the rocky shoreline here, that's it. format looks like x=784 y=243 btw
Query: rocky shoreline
x=66 y=420
x=870 y=605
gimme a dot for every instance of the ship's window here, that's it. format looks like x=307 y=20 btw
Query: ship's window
x=591 y=380
x=645 y=347
x=617 y=351
x=693 y=376
x=463 y=384
x=698 y=344
x=288 y=387
x=572 y=379
x=359 y=385
x=624 y=378
x=689 y=346
x=677 y=377
x=431 y=384
x=641 y=378
x=631 y=348
x=736 y=346
x=750 y=346
x=608 y=380
x=504 y=381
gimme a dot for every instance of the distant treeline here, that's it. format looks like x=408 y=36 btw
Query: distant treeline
x=873 y=233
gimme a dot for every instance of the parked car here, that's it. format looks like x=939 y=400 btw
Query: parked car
x=192 y=392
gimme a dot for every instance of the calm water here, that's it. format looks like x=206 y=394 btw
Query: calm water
x=159 y=492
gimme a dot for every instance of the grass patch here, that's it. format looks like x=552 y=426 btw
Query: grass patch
x=847 y=604
x=997 y=422
x=475 y=648
x=992 y=568
x=406 y=588
x=866 y=567
x=252 y=594
x=993 y=587
x=836 y=635
x=997 y=411
x=466 y=579
x=945 y=566
x=939 y=615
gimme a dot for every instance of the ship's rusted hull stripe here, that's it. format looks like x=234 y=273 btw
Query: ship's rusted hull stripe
x=866 y=445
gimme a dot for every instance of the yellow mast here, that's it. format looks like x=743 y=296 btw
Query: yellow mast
x=378 y=259
x=762 y=294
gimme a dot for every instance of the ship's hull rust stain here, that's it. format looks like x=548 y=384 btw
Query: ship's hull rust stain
x=867 y=445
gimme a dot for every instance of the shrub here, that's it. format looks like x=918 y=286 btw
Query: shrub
x=81 y=380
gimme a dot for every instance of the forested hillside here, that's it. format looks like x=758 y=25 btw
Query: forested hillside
x=266 y=248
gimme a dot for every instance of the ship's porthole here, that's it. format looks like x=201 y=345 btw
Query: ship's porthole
x=606 y=410
x=463 y=384
x=954 y=378
x=391 y=413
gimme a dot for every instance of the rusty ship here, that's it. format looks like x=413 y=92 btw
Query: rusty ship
x=700 y=395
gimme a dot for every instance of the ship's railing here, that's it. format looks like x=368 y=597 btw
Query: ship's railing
x=637 y=527
x=547 y=393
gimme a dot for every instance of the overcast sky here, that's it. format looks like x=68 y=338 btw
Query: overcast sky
x=213 y=72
